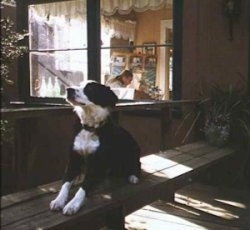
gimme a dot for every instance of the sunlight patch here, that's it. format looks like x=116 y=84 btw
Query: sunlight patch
x=176 y=171
x=205 y=207
x=152 y=163
x=233 y=203
x=152 y=218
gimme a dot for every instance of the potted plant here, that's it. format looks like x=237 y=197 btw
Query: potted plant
x=227 y=116
x=226 y=113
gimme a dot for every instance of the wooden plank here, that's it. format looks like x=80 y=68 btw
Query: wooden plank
x=209 y=158
x=195 y=164
x=150 y=164
x=240 y=195
x=154 y=162
x=167 y=170
x=95 y=204
x=168 y=153
x=159 y=161
x=227 y=204
x=26 y=195
x=203 y=151
x=55 y=186
x=197 y=149
x=191 y=146
x=16 y=213
x=22 y=196
x=113 y=197
x=45 y=219
x=161 y=216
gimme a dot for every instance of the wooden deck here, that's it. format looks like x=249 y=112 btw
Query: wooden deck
x=196 y=207
x=163 y=173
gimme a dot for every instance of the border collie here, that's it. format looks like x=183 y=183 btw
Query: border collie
x=99 y=148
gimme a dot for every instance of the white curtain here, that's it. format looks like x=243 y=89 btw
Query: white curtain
x=109 y=7
x=70 y=9
x=118 y=29
x=126 y=29
x=67 y=20
x=60 y=25
x=8 y=2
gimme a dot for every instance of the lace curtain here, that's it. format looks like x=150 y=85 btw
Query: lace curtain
x=8 y=3
x=109 y=7
x=69 y=15
x=118 y=29
x=70 y=9
x=57 y=25
x=126 y=29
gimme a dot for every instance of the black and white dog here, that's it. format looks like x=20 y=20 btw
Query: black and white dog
x=100 y=147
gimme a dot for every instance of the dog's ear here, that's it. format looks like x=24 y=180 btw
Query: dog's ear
x=100 y=94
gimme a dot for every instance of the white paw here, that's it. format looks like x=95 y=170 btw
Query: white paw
x=133 y=179
x=75 y=204
x=60 y=201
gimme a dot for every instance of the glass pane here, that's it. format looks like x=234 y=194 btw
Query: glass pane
x=52 y=73
x=58 y=47
x=137 y=36
x=57 y=25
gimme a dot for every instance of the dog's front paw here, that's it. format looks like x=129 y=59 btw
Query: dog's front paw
x=58 y=203
x=133 y=179
x=75 y=204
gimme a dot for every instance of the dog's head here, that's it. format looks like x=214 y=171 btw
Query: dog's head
x=91 y=93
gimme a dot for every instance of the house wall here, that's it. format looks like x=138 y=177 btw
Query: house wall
x=148 y=30
x=148 y=25
x=208 y=55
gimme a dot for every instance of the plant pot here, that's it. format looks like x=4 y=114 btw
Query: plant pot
x=217 y=135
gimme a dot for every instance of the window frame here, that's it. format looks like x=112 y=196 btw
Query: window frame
x=93 y=49
x=177 y=48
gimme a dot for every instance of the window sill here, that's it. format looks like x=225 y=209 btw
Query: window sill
x=18 y=110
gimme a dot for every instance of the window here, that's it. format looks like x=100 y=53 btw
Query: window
x=74 y=40
x=132 y=32
x=58 y=47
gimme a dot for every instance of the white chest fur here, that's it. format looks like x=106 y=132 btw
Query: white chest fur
x=86 y=142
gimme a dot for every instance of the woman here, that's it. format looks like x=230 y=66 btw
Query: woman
x=122 y=80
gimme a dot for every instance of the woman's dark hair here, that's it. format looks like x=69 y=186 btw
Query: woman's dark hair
x=126 y=73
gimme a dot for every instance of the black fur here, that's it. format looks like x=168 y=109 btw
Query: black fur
x=117 y=156
x=100 y=94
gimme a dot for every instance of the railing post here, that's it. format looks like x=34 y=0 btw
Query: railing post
x=115 y=219
x=164 y=119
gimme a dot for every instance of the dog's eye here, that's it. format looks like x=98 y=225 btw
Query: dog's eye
x=70 y=92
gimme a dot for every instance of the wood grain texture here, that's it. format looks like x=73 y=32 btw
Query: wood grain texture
x=163 y=173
